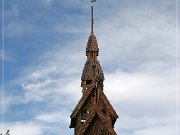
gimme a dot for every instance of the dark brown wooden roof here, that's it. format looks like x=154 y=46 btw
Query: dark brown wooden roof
x=103 y=98
x=102 y=118
x=89 y=72
x=108 y=104
x=92 y=44
x=82 y=100
x=87 y=123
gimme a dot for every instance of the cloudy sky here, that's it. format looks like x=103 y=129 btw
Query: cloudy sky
x=44 y=53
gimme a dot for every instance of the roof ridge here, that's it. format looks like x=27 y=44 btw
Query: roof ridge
x=107 y=102
x=82 y=100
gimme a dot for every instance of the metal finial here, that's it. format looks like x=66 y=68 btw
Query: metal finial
x=92 y=18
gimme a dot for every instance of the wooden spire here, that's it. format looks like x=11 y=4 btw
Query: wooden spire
x=94 y=114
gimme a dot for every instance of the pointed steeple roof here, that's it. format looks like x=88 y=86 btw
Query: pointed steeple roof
x=103 y=98
x=89 y=73
x=102 y=118
x=94 y=114
x=92 y=44
x=92 y=68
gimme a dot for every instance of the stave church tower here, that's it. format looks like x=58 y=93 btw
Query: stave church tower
x=94 y=114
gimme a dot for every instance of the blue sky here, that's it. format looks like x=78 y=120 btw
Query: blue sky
x=45 y=53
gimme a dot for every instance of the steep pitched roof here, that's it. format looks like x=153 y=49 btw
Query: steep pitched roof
x=82 y=100
x=103 y=98
x=81 y=103
x=103 y=120
x=108 y=105
x=108 y=126
x=89 y=73
x=92 y=44
x=87 y=123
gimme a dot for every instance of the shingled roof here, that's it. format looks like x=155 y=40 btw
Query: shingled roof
x=92 y=44
x=108 y=105
x=89 y=70
x=103 y=98
x=94 y=114
x=102 y=118
x=81 y=103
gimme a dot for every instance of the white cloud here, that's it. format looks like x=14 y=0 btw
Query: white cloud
x=45 y=83
x=128 y=125
x=25 y=129
x=145 y=103
x=134 y=36
x=21 y=128
x=160 y=130
x=7 y=101
x=141 y=86
x=54 y=117
x=137 y=51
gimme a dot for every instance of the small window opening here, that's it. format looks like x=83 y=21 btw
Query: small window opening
x=84 y=114
x=88 y=82
x=84 y=111
x=83 y=121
